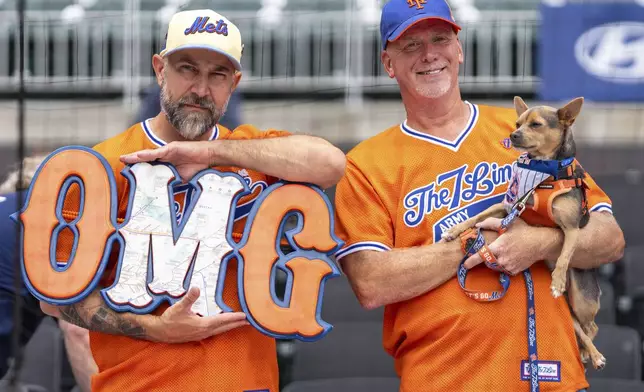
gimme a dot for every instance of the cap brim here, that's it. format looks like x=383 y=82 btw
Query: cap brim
x=236 y=63
x=412 y=21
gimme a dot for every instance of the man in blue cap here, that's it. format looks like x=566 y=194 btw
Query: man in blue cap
x=448 y=161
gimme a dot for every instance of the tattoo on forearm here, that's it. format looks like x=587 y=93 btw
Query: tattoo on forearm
x=70 y=314
x=107 y=321
x=101 y=319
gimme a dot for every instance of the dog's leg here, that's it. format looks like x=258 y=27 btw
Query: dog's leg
x=583 y=298
x=597 y=358
x=558 y=286
x=566 y=210
x=497 y=210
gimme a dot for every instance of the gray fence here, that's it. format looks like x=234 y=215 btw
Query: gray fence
x=109 y=51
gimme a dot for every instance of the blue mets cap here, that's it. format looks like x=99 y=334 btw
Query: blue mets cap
x=399 y=15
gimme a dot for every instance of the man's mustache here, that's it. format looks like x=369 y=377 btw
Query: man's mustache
x=198 y=101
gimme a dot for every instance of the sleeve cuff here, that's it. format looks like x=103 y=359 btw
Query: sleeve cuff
x=602 y=207
x=358 y=246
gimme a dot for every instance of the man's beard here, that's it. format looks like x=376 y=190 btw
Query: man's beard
x=190 y=124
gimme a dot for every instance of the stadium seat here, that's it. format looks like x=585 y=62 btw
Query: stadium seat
x=351 y=349
x=622 y=347
x=615 y=385
x=606 y=313
x=371 y=384
x=19 y=387
x=42 y=365
x=633 y=264
x=341 y=305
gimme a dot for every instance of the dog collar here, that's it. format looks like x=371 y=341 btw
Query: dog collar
x=552 y=167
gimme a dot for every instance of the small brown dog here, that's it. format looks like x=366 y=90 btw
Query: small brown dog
x=549 y=183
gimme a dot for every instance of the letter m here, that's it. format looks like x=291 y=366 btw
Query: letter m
x=161 y=258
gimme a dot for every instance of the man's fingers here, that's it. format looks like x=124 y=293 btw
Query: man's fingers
x=229 y=326
x=473 y=261
x=476 y=259
x=219 y=320
x=188 y=300
x=143 y=156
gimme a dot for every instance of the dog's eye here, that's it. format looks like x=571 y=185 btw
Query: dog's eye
x=535 y=124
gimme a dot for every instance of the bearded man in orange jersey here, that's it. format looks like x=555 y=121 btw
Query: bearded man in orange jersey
x=174 y=349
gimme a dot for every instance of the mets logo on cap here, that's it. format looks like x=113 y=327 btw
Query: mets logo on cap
x=200 y=26
x=204 y=29
x=417 y=3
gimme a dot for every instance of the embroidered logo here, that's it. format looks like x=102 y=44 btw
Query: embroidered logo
x=454 y=188
x=506 y=143
x=417 y=3
x=200 y=26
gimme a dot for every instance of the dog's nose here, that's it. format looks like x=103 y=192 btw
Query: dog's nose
x=515 y=136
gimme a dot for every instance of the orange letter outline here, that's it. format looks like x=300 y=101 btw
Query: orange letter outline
x=38 y=209
x=300 y=253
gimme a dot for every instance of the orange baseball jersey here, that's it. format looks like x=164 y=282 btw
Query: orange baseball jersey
x=238 y=361
x=403 y=188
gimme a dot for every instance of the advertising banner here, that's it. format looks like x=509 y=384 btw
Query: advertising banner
x=592 y=49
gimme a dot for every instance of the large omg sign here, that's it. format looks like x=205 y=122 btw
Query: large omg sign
x=160 y=258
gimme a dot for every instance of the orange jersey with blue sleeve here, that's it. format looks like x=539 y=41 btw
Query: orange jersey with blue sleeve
x=404 y=188
x=237 y=361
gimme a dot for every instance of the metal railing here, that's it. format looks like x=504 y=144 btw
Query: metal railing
x=308 y=52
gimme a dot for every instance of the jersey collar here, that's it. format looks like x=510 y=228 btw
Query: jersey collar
x=147 y=128
x=451 y=145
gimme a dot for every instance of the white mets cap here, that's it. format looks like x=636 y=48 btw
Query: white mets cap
x=204 y=29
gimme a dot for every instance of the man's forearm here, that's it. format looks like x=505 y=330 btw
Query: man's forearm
x=296 y=158
x=93 y=314
x=382 y=278
x=79 y=354
x=601 y=241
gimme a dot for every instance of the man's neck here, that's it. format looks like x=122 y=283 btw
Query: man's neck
x=166 y=131
x=444 y=117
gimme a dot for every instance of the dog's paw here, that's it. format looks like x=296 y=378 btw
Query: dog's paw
x=599 y=362
x=558 y=286
x=448 y=236
x=585 y=356
x=556 y=291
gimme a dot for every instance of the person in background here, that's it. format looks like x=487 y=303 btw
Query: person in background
x=78 y=364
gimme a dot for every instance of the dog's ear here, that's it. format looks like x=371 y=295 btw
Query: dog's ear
x=519 y=105
x=570 y=111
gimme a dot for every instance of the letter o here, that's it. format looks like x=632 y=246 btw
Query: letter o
x=42 y=220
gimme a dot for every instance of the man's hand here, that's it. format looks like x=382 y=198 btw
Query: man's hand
x=188 y=158
x=515 y=250
x=179 y=324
